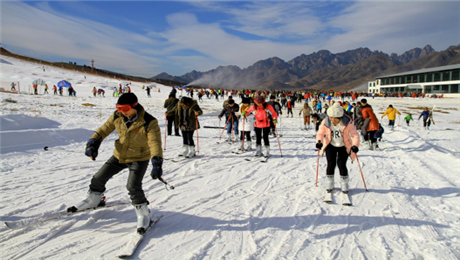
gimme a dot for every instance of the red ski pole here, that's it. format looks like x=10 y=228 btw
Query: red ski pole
x=166 y=129
x=359 y=164
x=317 y=168
x=224 y=128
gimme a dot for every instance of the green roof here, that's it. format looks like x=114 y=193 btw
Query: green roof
x=428 y=70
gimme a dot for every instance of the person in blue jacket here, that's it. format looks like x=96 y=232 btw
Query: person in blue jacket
x=427 y=118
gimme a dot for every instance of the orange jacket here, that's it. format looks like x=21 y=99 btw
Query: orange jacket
x=368 y=112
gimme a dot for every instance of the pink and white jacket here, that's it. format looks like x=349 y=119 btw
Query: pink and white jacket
x=261 y=115
x=349 y=133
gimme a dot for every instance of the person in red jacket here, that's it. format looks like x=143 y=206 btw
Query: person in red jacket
x=371 y=124
x=261 y=111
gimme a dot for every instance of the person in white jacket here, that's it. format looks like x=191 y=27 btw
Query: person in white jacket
x=245 y=126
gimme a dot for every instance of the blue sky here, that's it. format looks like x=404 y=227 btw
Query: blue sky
x=149 y=37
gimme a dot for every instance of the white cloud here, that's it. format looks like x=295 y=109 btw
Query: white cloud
x=212 y=41
x=45 y=32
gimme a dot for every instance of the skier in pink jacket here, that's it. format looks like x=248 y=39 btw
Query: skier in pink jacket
x=262 y=112
x=338 y=137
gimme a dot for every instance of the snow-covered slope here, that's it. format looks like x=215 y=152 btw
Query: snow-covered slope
x=223 y=207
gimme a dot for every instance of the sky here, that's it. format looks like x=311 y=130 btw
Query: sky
x=146 y=38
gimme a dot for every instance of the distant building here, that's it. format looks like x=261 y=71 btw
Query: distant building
x=438 y=80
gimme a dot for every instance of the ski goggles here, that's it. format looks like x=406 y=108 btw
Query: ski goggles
x=125 y=108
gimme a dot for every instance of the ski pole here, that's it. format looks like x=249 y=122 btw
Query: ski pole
x=232 y=129
x=46 y=148
x=317 y=168
x=166 y=129
x=278 y=137
x=166 y=184
x=224 y=128
x=361 y=170
x=197 y=136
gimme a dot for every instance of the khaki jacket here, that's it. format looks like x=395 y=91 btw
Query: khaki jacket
x=170 y=104
x=191 y=118
x=136 y=143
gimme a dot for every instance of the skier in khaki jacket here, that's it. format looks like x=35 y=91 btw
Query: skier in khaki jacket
x=139 y=140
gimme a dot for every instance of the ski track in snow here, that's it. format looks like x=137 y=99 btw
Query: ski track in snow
x=224 y=207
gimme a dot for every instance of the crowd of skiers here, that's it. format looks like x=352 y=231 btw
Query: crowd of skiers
x=338 y=127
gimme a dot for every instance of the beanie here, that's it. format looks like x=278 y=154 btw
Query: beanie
x=260 y=99
x=335 y=110
x=246 y=100
x=127 y=99
x=231 y=101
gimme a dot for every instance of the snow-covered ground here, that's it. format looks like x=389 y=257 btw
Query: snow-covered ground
x=223 y=207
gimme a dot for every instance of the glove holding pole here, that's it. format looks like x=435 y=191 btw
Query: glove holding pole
x=157 y=169
x=92 y=147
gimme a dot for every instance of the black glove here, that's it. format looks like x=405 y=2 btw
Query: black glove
x=157 y=170
x=91 y=148
x=354 y=149
x=319 y=145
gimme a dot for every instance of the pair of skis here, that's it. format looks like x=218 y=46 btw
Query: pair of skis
x=264 y=159
x=127 y=251
x=345 y=198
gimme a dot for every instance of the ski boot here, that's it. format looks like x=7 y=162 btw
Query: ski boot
x=143 y=217
x=259 y=151
x=191 y=151
x=249 y=148
x=344 y=180
x=329 y=183
x=185 y=152
x=92 y=200
x=267 y=150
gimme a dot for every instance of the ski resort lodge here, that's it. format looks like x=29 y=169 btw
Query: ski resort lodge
x=443 y=80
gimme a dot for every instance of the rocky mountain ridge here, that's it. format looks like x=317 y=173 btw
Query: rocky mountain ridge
x=319 y=70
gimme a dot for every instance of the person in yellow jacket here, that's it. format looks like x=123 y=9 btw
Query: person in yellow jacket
x=139 y=140
x=391 y=112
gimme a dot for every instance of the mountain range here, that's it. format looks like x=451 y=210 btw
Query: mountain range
x=322 y=70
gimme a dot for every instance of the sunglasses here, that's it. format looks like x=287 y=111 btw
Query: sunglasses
x=124 y=108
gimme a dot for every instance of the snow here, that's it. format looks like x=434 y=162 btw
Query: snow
x=223 y=207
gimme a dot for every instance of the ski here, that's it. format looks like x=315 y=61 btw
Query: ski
x=265 y=159
x=58 y=215
x=328 y=197
x=185 y=158
x=346 y=199
x=135 y=239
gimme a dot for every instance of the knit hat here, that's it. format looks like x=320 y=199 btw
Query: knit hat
x=335 y=110
x=246 y=100
x=231 y=101
x=128 y=99
x=259 y=99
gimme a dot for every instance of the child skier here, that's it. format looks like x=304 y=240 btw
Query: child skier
x=246 y=125
x=262 y=124
x=391 y=112
x=408 y=118
x=338 y=137
x=186 y=113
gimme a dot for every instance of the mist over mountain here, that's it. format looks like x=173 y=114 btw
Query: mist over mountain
x=319 y=70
